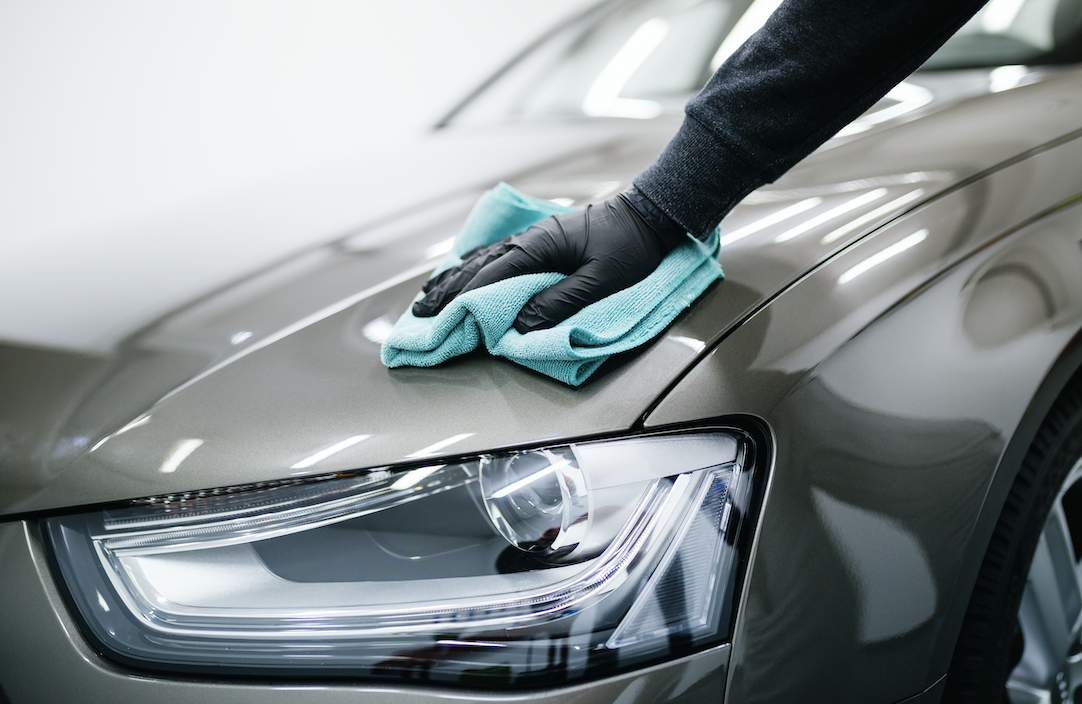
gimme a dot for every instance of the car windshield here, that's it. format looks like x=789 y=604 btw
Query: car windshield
x=642 y=59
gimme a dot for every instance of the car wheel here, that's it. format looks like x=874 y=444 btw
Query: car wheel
x=1019 y=641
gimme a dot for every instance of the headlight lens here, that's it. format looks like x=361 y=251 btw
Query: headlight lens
x=537 y=500
x=518 y=568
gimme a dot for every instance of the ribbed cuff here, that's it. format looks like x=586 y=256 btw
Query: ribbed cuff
x=697 y=180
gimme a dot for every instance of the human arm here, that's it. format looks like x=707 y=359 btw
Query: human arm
x=813 y=67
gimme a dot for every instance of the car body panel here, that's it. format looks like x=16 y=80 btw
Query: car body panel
x=90 y=426
x=893 y=397
x=907 y=259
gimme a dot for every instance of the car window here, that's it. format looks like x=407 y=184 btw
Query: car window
x=643 y=58
x=1014 y=32
x=635 y=59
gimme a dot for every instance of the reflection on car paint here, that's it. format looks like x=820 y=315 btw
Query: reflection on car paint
x=883 y=255
x=833 y=213
x=180 y=452
x=875 y=423
x=603 y=98
x=771 y=219
x=334 y=449
x=895 y=586
x=871 y=216
x=436 y=447
x=908 y=98
x=378 y=329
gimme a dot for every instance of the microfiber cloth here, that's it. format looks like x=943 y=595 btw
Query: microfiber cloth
x=572 y=350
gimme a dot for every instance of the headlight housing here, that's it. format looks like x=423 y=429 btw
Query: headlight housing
x=522 y=568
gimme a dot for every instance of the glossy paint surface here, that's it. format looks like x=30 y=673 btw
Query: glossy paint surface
x=891 y=307
x=894 y=377
x=253 y=379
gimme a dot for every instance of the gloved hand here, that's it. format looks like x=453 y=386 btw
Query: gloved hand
x=602 y=249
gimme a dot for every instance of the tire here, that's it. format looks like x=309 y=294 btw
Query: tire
x=1019 y=641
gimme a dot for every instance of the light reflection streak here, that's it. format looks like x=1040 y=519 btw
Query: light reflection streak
x=602 y=100
x=180 y=452
x=882 y=256
x=528 y=480
x=479 y=643
x=141 y=420
x=823 y=218
x=772 y=219
x=749 y=23
x=998 y=15
x=761 y=197
x=689 y=342
x=378 y=329
x=873 y=215
x=327 y=452
x=1005 y=78
x=440 y=248
x=436 y=447
x=909 y=96
x=416 y=476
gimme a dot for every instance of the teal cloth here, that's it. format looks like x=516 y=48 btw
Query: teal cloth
x=572 y=350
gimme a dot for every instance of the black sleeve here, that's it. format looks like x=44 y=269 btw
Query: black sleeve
x=813 y=67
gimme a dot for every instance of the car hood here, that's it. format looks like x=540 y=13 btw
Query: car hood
x=241 y=376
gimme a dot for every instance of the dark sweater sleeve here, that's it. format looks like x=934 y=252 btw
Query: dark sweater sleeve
x=813 y=67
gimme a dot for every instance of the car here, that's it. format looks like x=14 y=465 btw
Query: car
x=850 y=472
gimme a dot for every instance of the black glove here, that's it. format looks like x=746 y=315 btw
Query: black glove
x=602 y=249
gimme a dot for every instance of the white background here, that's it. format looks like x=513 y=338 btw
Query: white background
x=114 y=110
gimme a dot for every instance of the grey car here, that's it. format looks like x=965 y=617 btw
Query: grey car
x=851 y=472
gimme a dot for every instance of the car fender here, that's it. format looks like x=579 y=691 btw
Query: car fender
x=901 y=388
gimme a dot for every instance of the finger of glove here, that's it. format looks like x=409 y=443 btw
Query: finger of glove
x=488 y=252
x=451 y=282
x=566 y=297
x=533 y=253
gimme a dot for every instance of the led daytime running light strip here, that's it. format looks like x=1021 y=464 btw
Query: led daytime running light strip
x=269 y=525
x=187 y=510
x=639 y=538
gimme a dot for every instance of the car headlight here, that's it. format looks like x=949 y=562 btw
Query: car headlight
x=541 y=565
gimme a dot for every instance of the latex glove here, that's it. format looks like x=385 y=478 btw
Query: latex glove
x=602 y=249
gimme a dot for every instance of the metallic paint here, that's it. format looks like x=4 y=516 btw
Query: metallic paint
x=894 y=396
x=308 y=376
x=894 y=407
